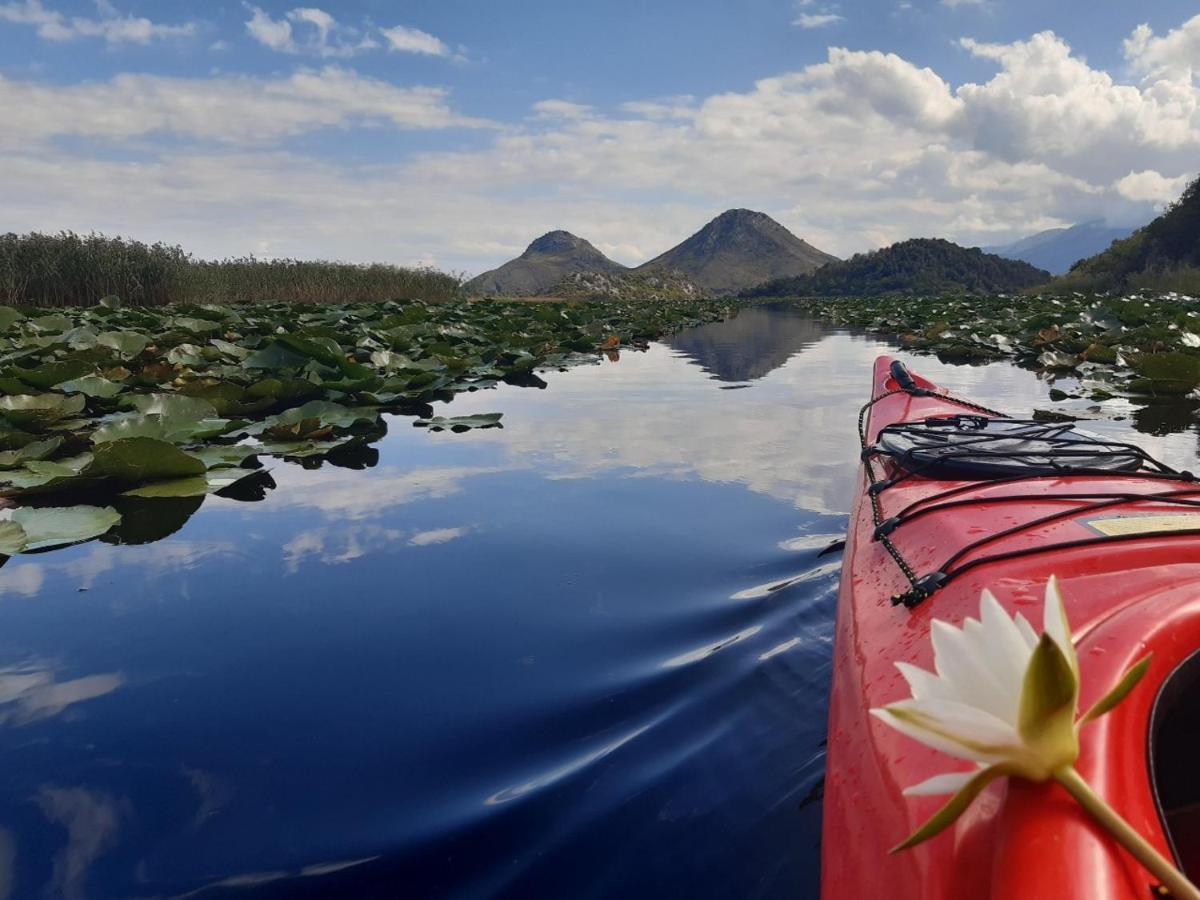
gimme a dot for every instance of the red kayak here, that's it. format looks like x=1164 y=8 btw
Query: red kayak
x=954 y=498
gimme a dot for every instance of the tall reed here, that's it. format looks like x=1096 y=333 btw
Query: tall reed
x=68 y=269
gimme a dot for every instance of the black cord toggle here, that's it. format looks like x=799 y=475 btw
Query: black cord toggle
x=922 y=588
x=886 y=527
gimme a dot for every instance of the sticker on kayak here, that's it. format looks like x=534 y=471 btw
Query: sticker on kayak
x=1120 y=525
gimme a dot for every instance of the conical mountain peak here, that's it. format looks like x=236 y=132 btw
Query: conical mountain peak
x=739 y=249
x=545 y=263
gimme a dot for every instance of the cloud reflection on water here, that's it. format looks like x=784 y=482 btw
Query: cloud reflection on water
x=28 y=694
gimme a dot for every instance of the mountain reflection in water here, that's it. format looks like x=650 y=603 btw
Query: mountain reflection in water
x=755 y=343
x=585 y=655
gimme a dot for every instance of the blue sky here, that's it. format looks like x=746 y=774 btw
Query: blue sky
x=454 y=132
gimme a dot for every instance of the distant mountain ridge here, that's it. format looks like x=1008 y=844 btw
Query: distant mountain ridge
x=547 y=261
x=738 y=249
x=1057 y=249
x=921 y=266
x=1163 y=255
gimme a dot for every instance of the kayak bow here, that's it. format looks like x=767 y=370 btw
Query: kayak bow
x=953 y=498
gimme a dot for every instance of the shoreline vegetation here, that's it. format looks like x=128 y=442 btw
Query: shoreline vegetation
x=1139 y=344
x=67 y=269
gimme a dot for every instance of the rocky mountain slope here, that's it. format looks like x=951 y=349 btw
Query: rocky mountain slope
x=664 y=284
x=922 y=266
x=737 y=250
x=546 y=262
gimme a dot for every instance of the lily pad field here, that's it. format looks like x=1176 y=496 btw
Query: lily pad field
x=107 y=406
x=1138 y=345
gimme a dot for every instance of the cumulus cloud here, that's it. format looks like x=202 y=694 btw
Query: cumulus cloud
x=312 y=31
x=1150 y=187
x=859 y=150
x=226 y=109
x=414 y=40
x=309 y=31
x=1050 y=105
x=1175 y=54
x=109 y=24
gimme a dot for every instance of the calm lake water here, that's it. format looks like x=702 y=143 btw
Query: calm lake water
x=585 y=655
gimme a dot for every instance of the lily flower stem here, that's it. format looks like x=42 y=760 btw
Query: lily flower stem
x=1158 y=865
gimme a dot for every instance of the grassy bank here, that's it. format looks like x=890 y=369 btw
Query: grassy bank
x=1140 y=344
x=73 y=270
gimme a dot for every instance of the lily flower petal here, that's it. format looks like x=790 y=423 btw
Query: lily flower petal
x=1054 y=615
x=1026 y=630
x=925 y=685
x=954 y=728
x=946 y=783
x=1006 y=651
x=959 y=661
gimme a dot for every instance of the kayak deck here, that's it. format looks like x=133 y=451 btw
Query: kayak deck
x=1129 y=565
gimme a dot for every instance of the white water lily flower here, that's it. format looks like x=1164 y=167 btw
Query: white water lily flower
x=1002 y=697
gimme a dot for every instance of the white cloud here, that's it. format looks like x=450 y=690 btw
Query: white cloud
x=311 y=31
x=1150 y=187
x=682 y=106
x=857 y=151
x=308 y=31
x=437 y=536
x=413 y=40
x=561 y=109
x=227 y=109
x=1175 y=55
x=346 y=495
x=953 y=4
x=109 y=24
x=816 y=20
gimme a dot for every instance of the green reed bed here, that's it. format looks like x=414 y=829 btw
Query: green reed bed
x=67 y=269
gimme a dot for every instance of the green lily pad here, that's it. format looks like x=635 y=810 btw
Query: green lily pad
x=223 y=456
x=460 y=423
x=36 y=412
x=186 y=355
x=56 y=323
x=1166 y=373
x=275 y=356
x=231 y=350
x=80 y=338
x=328 y=413
x=192 y=486
x=138 y=459
x=175 y=406
x=303 y=449
x=12 y=538
x=92 y=386
x=196 y=326
x=9 y=317
x=48 y=375
x=128 y=344
x=56 y=526
x=35 y=450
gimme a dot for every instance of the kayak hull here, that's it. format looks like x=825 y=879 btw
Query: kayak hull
x=1017 y=840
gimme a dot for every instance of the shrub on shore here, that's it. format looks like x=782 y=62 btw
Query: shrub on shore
x=68 y=269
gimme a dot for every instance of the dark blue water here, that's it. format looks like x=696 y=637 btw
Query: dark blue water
x=582 y=656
